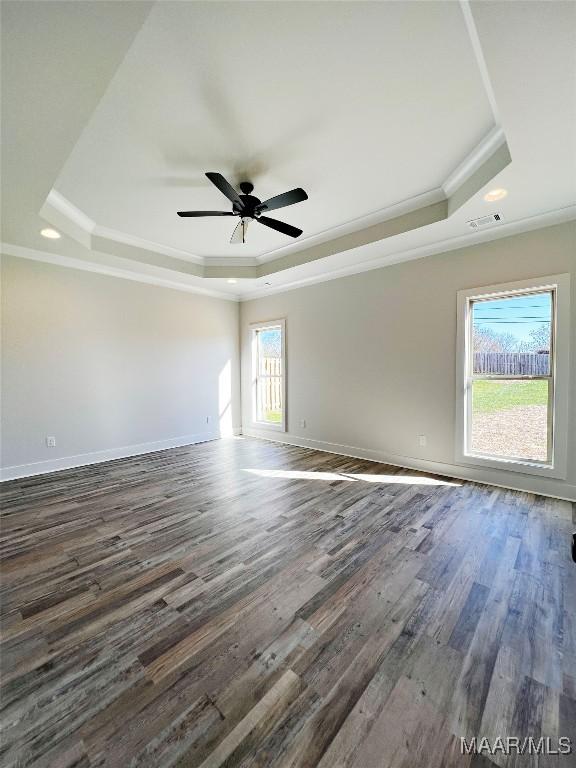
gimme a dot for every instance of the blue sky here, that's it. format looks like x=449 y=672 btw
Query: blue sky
x=518 y=315
x=271 y=342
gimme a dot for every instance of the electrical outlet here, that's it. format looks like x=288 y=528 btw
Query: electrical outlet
x=303 y=423
x=422 y=441
x=51 y=441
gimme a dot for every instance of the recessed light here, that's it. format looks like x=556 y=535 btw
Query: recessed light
x=495 y=194
x=50 y=233
x=232 y=281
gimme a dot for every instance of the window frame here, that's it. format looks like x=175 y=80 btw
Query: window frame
x=254 y=328
x=558 y=378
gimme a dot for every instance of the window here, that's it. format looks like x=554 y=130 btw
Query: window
x=512 y=376
x=269 y=374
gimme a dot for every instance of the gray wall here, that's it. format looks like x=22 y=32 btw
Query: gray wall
x=104 y=364
x=371 y=358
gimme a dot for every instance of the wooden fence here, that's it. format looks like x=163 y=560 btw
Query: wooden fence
x=271 y=385
x=512 y=363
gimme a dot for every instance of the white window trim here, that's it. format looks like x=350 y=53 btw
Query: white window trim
x=280 y=427
x=561 y=334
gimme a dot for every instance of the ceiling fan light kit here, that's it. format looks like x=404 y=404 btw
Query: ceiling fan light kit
x=251 y=208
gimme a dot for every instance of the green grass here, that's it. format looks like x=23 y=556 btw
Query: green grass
x=274 y=417
x=492 y=396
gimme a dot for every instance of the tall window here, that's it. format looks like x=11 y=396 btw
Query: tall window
x=268 y=374
x=511 y=376
x=511 y=412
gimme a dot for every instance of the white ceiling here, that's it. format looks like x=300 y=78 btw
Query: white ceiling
x=363 y=105
x=121 y=107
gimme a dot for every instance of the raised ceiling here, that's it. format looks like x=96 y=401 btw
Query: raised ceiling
x=363 y=105
x=384 y=112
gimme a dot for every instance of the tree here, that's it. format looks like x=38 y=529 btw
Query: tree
x=539 y=340
x=487 y=340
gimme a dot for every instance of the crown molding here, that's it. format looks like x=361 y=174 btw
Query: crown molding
x=380 y=216
x=56 y=202
x=155 y=277
x=487 y=147
x=539 y=221
x=231 y=261
x=480 y=60
x=493 y=140
x=72 y=212
x=145 y=245
x=486 y=160
x=492 y=157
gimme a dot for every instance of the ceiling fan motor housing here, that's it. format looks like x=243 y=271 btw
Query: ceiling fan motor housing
x=250 y=203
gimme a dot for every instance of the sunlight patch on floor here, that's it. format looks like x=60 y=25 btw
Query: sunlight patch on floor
x=291 y=474
x=402 y=479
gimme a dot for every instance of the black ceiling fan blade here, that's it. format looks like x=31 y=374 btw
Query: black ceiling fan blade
x=280 y=226
x=225 y=187
x=281 y=201
x=206 y=213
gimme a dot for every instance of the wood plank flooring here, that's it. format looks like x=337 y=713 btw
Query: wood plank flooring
x=244 y=603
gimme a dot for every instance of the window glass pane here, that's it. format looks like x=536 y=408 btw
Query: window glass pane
x=510 y=418
x=270 y=352
x=269 y=383
x=511 y=336
x=270 y=400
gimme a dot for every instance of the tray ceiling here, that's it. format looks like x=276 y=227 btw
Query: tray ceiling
x=364 y=105
x=396 y=117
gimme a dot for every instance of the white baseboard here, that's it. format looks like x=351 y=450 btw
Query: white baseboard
x=83 y=459
x=543 y=486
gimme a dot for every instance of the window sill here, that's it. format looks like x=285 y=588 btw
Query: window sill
x=267 y=425
x=512 y=465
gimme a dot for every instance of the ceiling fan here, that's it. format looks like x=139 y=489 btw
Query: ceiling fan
x=250 y=208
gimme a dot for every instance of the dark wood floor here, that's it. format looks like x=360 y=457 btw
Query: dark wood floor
x=179 y=609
